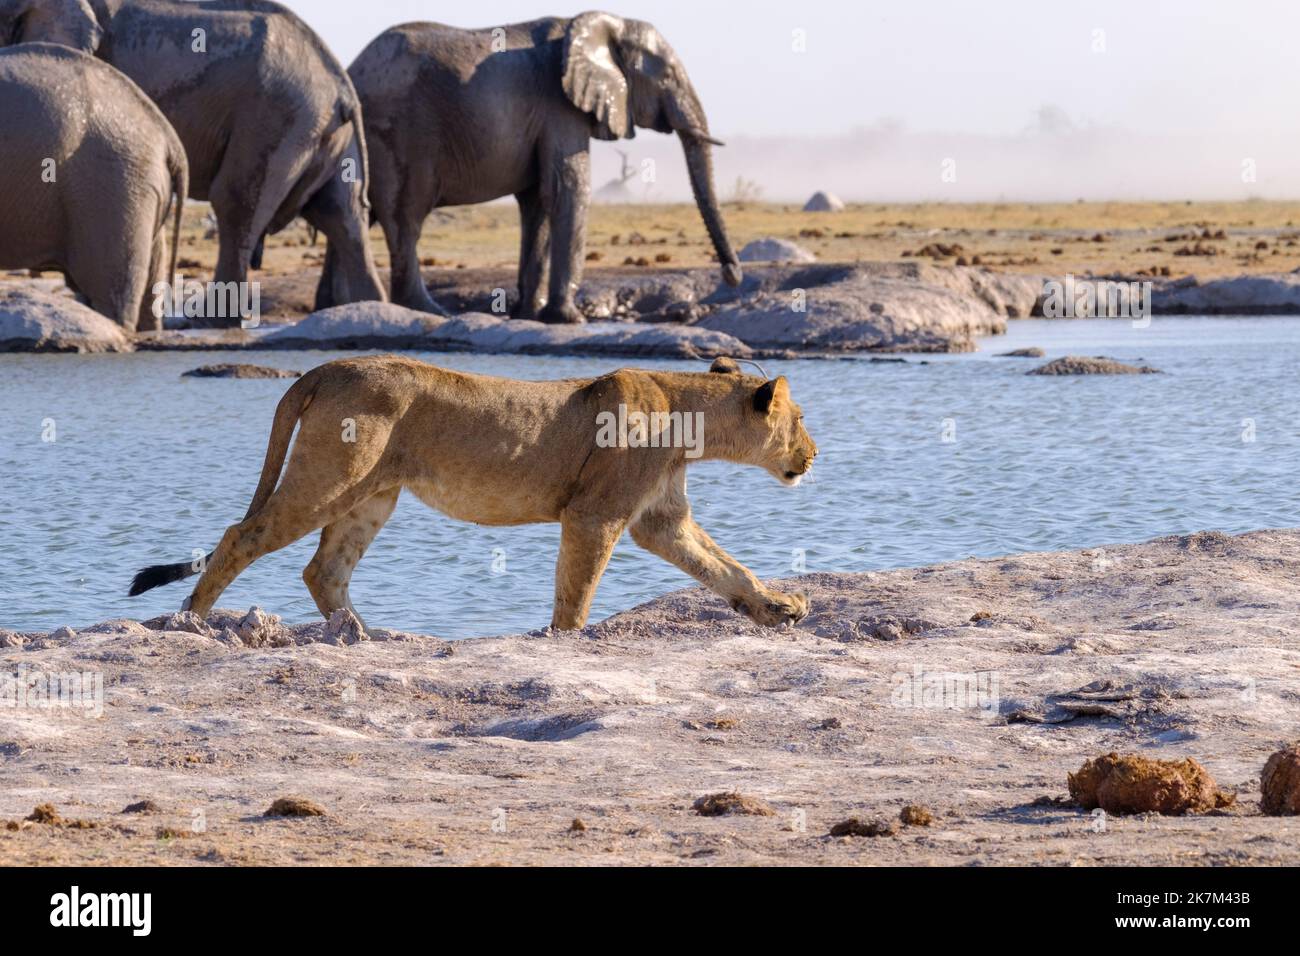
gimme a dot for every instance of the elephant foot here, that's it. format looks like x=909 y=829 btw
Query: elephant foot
x=421 y=303
x=566 y=314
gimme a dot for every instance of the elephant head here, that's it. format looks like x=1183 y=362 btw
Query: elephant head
x=624 y=74
x=65 y=22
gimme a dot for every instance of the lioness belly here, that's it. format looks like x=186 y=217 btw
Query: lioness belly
x=484 y=502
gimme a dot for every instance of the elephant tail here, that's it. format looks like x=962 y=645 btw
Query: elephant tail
x=180 y=173
x=287 y=413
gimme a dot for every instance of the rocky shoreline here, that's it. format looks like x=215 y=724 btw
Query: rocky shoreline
x=780 y=310
x=959 y=696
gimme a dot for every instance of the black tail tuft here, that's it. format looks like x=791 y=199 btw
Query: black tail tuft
x=161 y=574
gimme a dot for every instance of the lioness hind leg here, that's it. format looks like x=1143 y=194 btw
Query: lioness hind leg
x=341 y=546
x=276 y=526
x=585 y=547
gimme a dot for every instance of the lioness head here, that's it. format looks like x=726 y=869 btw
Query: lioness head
x=785 y=449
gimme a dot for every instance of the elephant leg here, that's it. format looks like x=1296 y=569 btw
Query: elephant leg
x=534 y=242
x=114 y=276
x=566 y=193
x=246 y=194
x=401 y=197
x=402 y=233
x=342 y=545
x=349 y=274
x=159 y=262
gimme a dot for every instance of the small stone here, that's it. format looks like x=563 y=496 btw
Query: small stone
x=914 y=815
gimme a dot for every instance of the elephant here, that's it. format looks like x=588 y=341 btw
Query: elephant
x=465 y=116
x=268 y=117
x=92 y=169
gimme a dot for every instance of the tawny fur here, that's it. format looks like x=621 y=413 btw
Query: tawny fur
x=500 y=452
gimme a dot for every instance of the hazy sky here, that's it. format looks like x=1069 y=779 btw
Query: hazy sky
x=1168 y=75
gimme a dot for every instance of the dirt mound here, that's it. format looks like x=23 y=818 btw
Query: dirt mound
x=728 y=804
x=1279 y=784
x=294 y=807
x=1133 y=784
x=859 y=828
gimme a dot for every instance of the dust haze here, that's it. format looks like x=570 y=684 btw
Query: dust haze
x=1053 y=159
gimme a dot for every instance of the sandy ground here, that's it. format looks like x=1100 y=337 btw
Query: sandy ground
x=1080 y=238
x=484 y=751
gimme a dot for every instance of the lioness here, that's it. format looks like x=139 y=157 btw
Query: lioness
x=501 y=452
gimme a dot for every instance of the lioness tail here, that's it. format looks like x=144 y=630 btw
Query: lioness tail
x=287 y=413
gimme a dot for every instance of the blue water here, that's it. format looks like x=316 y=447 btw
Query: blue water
x=146 y=467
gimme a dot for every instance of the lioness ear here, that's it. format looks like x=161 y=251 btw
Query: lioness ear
x=771 y=395
x=724 y=365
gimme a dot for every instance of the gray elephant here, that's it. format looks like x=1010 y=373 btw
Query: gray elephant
x=91 y=169
x=268 y=117
x=465 y=116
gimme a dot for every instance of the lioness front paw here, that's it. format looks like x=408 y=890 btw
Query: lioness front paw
x=774 y=609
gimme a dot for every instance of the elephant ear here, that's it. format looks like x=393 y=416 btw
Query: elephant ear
x=69 y=23
x=593 y=79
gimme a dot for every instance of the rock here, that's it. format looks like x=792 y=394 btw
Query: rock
x=847 y=308
x=824 y=202
x=728 y=804
x=1023 y=353
x=1077 y=365
x=33 y=321
x=1279 y=784
x=1277 y=294
x=234 y=370
x=775 y=250
x=259 y=629
x=364 y=325
x=63 y=635
x=343 y=629
x=186 y=621
x=294 y=807
x=10 y=639
x=1134 y=784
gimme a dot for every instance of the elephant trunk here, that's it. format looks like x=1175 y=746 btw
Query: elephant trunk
x=699 y=163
